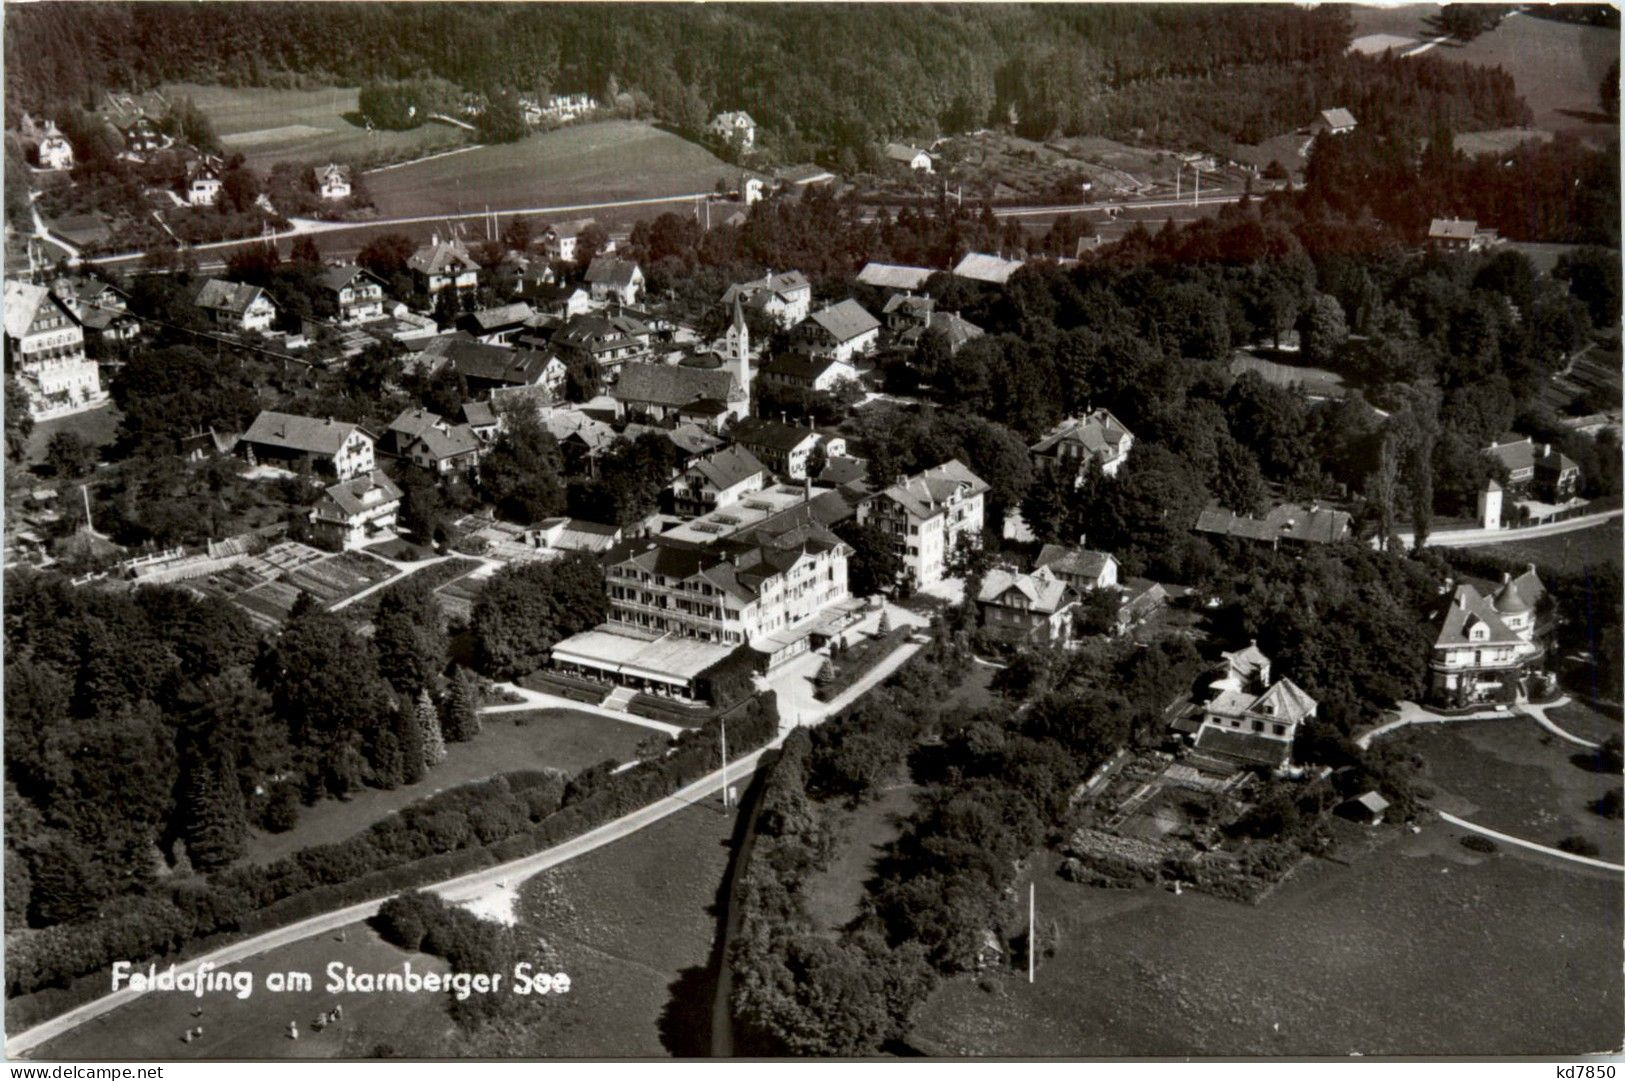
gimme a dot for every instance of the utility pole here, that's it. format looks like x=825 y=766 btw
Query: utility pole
x=1032 y=923
x=1198 y=200
x=1179 y=176
x=724 y=762
x=84 y=490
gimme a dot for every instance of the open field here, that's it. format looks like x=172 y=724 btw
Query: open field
x=1420 y=947
x=602 y=162
x=1515 y=777
x=268 y=126
x=1557 y=66
x=257 y=1027
x=1567 y=551
x=521 y=740
x=634 y=924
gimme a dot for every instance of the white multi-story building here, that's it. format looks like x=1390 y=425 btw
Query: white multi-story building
x=45 y=349
x=1487 y=641
x=333 y=182
x=679 y=609
x=1096 y=436
x=55 y=152
x=787 y=297
x=237 y=307
x=926 y=515
x=736 y=128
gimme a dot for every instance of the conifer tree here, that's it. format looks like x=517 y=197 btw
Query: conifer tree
x=459 y=713
x=428 y=725
x=215 y=823
x=409 y=734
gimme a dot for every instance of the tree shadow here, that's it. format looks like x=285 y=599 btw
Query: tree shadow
x=685 y=1023
x=688 y=1023
x=1591 y=762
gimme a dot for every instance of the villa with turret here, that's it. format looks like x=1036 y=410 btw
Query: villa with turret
x=1488 y=640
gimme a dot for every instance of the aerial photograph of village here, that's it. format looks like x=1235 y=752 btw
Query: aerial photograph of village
x=846 y=531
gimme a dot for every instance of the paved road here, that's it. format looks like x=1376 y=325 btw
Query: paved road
x=1462 y=538
x=314 y=227
x=1531 y=845
x=469 y=886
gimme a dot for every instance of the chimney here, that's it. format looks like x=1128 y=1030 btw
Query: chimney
x=1529 y=568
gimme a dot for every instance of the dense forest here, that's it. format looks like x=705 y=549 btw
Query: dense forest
x=1180 y=73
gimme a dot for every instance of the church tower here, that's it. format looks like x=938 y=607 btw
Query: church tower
x=738 y=346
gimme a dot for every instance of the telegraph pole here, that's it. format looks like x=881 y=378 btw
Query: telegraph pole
x=725 y=761
x=1032 y=923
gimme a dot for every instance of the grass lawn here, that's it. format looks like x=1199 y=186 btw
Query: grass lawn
x=521 y=740
x=1585 y=721
x=834 y=894
x=588 y=163
x=634 y=923
x=1284 y=371
x=1515 y=777
x=268 y=126
x=98 y=427
x=1566 y=551
x=257 y=1027
x=1418 y=948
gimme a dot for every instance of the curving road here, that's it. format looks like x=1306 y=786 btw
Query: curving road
x=469 y=886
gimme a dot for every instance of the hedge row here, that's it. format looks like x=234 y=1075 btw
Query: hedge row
x=449 y=834
x=878 y=651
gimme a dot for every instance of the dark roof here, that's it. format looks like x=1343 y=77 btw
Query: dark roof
x=843 y=471
x=518 y=313
x=674 y=385
x=442 y=257
x=337 y=277
x=1289 y=521
x=726 y=468
x=607 y=270
x=1243 y=746
x=798 y=366
x=495 y=364
x=479 y=414
x=1078 y=562
x=774 y=434
x=306 y=434
x=218 y=295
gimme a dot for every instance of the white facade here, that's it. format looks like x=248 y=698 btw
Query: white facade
x=47 y=352
x=926 y=516
x=55 y=152
x=332 y=183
